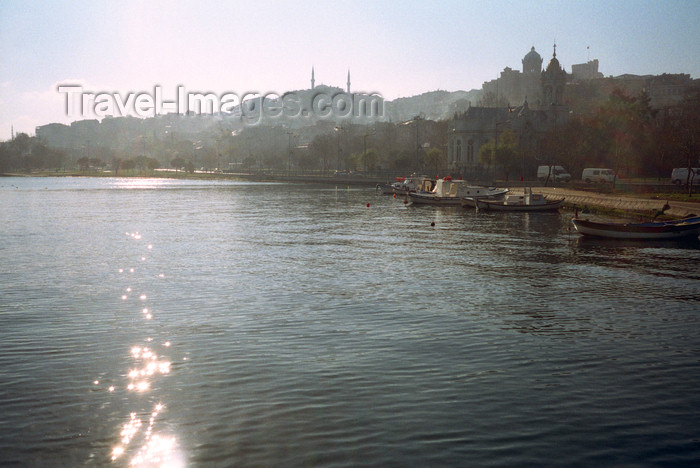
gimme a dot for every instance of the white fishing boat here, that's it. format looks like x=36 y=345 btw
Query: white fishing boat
x=490 y=193
x=528 y=201
x=404 y=185
x=446 y=192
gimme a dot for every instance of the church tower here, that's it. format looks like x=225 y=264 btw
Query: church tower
x=348 y=81
x=553 y=82
x=313 y=81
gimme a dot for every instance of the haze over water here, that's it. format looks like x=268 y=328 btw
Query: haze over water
x=221 y=323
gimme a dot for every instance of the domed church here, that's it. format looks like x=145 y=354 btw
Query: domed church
x=528 y=103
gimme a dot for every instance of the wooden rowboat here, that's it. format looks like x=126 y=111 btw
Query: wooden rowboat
x=687 y=228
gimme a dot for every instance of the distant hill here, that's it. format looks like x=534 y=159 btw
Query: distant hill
x=433 y=105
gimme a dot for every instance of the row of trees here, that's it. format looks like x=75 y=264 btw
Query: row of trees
x=624 y=134
x=25 y=153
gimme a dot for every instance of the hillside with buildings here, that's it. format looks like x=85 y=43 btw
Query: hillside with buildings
x=526 y=105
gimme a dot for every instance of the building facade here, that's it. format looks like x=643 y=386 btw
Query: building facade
x=469 y=131
x=513 y=87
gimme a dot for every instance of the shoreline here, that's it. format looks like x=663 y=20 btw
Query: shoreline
x=619 y=203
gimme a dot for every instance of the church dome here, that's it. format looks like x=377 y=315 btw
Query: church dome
x=532 y=56
x=532 y=62
x=553 y=65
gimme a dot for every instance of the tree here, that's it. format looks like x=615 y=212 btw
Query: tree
x=400 y=160
x=684 y=135
x=507 y=154
x=627 y=123
x=306 y=161
x=434 y=159
x=96 y=162
x=370 y=159
x=324 y=147
x=128 y=164
x=178 y=163
x=84 y=163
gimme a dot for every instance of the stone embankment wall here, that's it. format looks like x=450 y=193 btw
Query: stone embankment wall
x=582 y=199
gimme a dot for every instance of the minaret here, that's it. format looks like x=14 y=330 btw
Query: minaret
x=313 y=81
x=348 y=81
x=13 y=132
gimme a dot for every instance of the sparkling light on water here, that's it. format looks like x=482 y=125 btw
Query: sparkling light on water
x=151 y=448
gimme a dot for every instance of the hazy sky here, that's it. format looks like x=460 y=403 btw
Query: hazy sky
x=395 y=48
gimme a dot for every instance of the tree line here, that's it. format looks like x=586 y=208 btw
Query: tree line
x=624 y=133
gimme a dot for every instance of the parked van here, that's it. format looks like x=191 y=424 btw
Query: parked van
x=597 y=174
x=679 y=176
x=557 y=174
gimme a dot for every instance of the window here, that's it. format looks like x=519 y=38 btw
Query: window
x=458 y=158
x=470 y=151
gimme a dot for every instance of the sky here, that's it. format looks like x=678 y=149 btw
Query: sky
x=395 y=48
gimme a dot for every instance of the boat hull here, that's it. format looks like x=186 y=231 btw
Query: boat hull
x=470 y=201
x=430 y=199
x=386 y=189
x=677 y=229
x=494 y=205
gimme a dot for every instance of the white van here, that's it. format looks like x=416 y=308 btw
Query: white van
x=557 y=174
x=679 y=175
x=597 y=174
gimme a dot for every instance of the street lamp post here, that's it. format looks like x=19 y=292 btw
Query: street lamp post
x=338 y=130
x=289 y=153
x=364 y=154
x=418 y=147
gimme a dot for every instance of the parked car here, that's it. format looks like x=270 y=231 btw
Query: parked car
x=597 y=174
x=556 y=174
x=679 y=175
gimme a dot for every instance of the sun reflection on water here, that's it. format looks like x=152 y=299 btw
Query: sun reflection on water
x=140 y=441
x=135 y=183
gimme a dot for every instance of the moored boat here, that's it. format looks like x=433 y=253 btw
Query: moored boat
x=445 y=192
x=404 y=185
x=449 y=192
x=387 y=189
x=528 y=201
x=687 y=228
x=490 y=193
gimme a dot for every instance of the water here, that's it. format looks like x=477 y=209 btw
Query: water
x=292 y=325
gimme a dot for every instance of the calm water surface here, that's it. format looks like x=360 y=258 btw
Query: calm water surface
x=246 y=324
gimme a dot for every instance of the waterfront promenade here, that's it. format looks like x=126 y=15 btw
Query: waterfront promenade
x=585 y=199
x=574 y=197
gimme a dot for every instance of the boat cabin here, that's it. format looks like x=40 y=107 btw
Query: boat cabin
x=449 y=188
x=528 y=198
